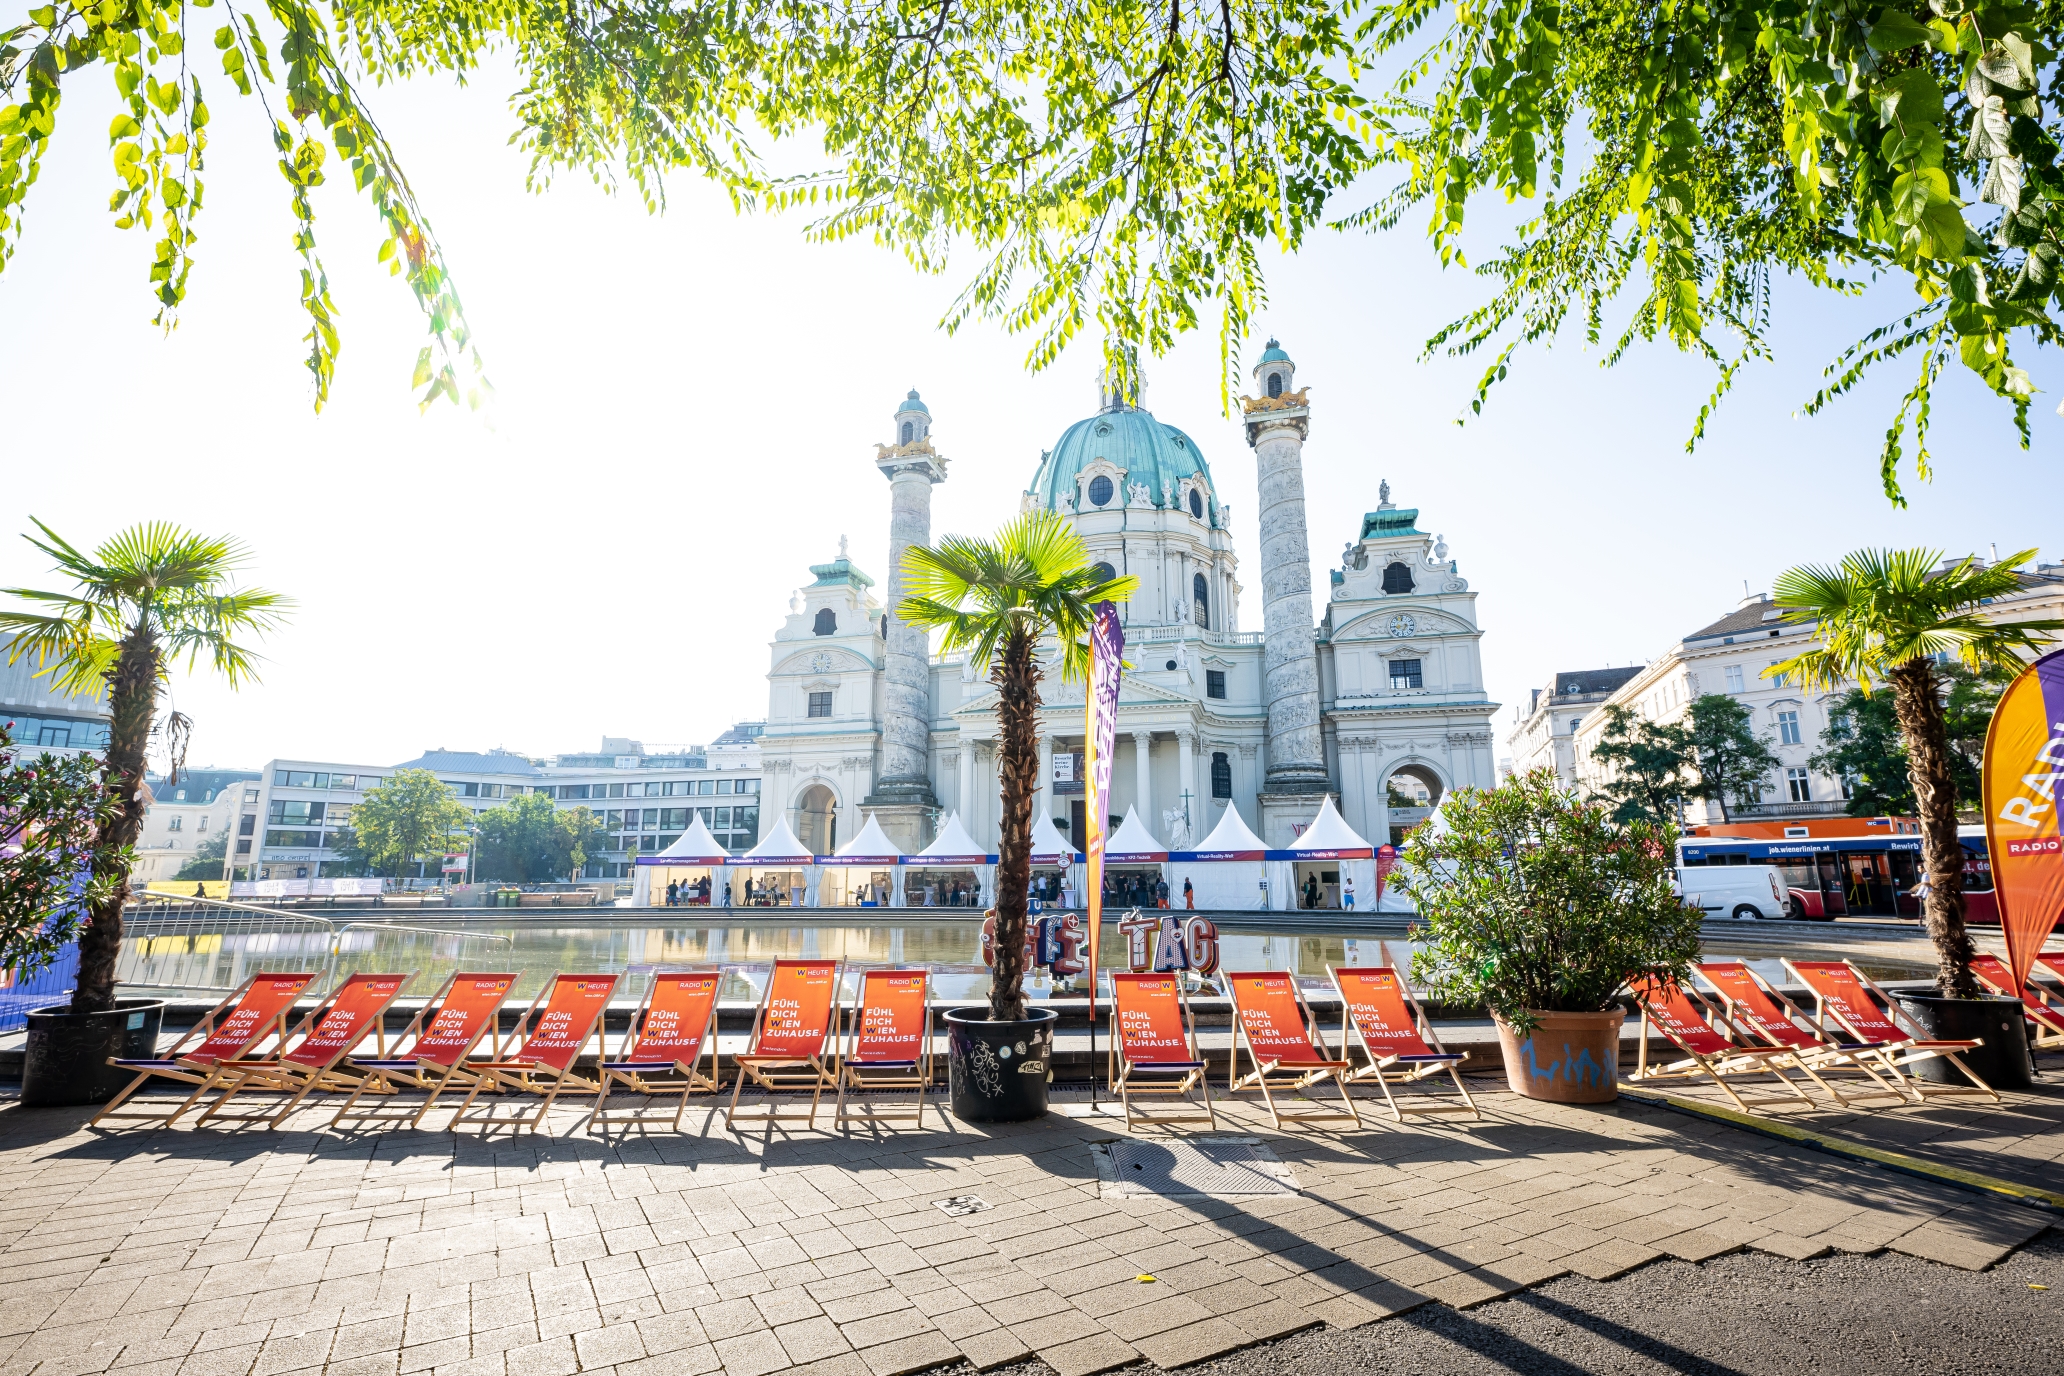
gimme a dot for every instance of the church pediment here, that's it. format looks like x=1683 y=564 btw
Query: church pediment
x=1132 y=692
x=1399 y=623
x=822 y=661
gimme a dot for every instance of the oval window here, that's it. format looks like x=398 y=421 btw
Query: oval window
x=1104 y=573
x=1103 y=427
x=1196 y=504
x=1099 y=490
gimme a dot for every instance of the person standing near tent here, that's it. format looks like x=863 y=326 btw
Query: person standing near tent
x=1347 y=891
x=1189 y=895
x=1311 y=891
x=1161 y=893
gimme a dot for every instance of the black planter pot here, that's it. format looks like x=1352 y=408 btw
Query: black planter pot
x=999 y=1071
x=66 y=1059
x=2003 y=1062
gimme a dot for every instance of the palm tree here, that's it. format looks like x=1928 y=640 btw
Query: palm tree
x=1894 y=615
x=997 y=599
x=153 y=594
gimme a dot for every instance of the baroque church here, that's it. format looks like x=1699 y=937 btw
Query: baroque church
x=1377 y=701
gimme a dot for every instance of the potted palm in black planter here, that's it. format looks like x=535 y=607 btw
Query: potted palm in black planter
x=1884 y=616
x=997 y=599
x=148 y=598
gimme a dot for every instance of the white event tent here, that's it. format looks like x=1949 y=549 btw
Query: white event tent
x=693 y=856
x=1328 y=843
x=954 y=849
x=1051 y=851
x=781 y=852
x=869 y=852
x=1228 y=869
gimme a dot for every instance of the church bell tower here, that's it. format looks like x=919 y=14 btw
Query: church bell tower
x=902 y=799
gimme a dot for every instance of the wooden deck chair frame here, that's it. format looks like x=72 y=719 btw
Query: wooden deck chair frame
x=298 y=1079
x=1813 y=1052
x=1893 y=1056
x=778 y=1072
x=863 y=1077
x=1163 y=1079
x=1291 y=1077
x=1718 y=1066
x=516 y=1073
x=385 y=1077
x=1388 y=1069
x=2045 y=1015
x=657 y=1079
x=175 y=1064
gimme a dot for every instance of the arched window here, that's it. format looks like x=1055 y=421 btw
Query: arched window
x=1196 y=503
x=1221 y=775
x=1397 y=578
x=1104 y=573
x=909 y=431
x=1200 y=595
x=1275 y=384
x=827 y=622
x=1099 y=490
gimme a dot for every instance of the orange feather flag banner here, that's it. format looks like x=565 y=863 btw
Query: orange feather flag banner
x=1100 y=730
x=2024 y=771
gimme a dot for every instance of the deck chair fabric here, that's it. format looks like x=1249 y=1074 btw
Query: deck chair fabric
x=1761 y=1011
x=672 y=1035
x=317 y=1059
x=442 y=1035
x=2042 y=1010
x=1844 y=993
x=786 y=1051
x=1154 y=1051
x=888 y=1045
x=549 y=1038
x=233 y=1029
x=1274 y=1024
x=2051 y=963
x=1717 y=1053
x=1398 y=1043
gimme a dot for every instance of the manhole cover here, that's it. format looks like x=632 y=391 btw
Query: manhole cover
x=1217 y=1167
x=961 y=1205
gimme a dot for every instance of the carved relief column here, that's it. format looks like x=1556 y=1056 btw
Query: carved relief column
x=903 y=797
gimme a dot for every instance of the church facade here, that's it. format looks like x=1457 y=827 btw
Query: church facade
x=1369 y=688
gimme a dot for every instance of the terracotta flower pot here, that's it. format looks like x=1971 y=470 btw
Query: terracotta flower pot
x=1570 y=1058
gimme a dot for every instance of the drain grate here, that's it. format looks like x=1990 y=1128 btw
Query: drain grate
x=1212 y=1167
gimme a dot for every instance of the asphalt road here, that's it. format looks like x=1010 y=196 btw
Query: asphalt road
x=1748 y=1314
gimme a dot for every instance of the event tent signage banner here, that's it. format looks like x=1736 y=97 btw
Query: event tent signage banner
x=2023 y=769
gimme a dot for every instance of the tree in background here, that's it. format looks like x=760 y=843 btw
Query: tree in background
x=1730 y=758
x=53 y=811
x=527 y=840
x=1886 y=615
x=1863 y=745
x=585 y=838
x=407 y=820
x=148 y=598
x=206 y=861
x=1649 y=764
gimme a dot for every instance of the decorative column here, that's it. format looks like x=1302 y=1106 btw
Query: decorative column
x=902 y=797
x=967 y=784
x=1042 y=802
x=1277 y=422
x=1186 y=782
x=1143 y=774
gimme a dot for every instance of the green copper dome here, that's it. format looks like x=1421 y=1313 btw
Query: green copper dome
x=1275 y=354
x=913 y=402
x=1149 y=451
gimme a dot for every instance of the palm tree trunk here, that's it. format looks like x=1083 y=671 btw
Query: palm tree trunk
x=1942 y=855
x=132 y=704
x=1016 y=678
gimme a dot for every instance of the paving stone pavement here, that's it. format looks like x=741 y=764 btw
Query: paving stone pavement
x=209 y=1252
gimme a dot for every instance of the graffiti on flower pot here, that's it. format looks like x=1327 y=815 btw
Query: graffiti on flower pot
x=1580 y=1069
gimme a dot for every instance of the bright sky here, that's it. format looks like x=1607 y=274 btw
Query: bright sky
x=687 y=411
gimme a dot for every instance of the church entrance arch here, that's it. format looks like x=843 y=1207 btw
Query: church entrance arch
x=1410 y=795
x=817 y=820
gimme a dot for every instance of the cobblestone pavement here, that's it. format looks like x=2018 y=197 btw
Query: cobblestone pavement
x=215 y=1253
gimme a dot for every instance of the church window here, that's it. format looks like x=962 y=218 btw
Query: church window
x=1200 y=597
x=1787 y=730
x=827 y=622
x=1404 y=673
x=1221 y=775
x=1104 y=573
x=1214 y=683
x=820 y=704
x=1099 y=490
x=909 y=432
x=1397 y=578
x=1196 y=504
x=1275 y=384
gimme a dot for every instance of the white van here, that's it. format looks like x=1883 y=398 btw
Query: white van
x=1743 y=892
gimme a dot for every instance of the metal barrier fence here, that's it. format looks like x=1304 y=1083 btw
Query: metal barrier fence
x=211 y=946
x=52 y=984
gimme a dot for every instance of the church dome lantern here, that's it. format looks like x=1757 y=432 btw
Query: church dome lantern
x=913 y=419
x=1274 y=372
x=1130 y=450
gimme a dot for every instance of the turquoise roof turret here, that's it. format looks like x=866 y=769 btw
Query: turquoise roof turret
x=1274 y=354
x=913 y=402
x=1149 y=451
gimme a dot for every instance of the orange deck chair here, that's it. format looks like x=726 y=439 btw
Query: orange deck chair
x=1758 y=1010
x=788 y=1037
x=1715 y=1051
x=317 y=1060
x=2041 y=1009
x=671 y=1032
x=1850 y=997
x=1273 y=1022
x=549 y=1038
x=443 y=1034
x=1154 y=1049
x=887 y=1044
x=256 y=1009
x=2052 y=962
x=1400 y=1043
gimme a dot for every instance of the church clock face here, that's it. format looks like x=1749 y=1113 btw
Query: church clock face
x=1403 y=624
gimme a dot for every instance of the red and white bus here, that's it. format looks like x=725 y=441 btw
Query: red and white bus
x=1856 y=876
